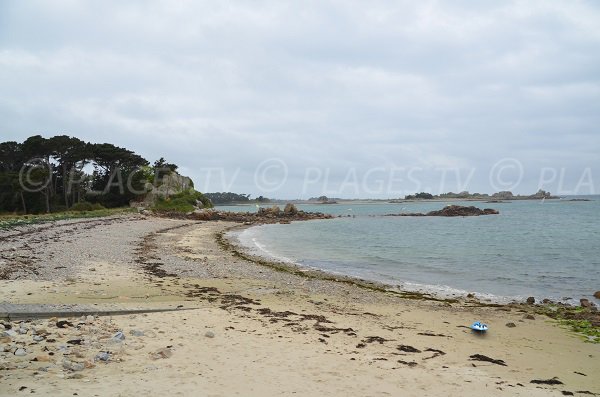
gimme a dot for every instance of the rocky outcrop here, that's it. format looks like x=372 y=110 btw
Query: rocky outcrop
x=597 y=294
x=454 y=210
x=263 y=215
x=168 y=185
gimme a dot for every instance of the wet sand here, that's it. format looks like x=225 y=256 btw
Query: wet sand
x=254 y=330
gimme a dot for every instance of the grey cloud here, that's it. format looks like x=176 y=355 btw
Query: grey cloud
x=332 y=85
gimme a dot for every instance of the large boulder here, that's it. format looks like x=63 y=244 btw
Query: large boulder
x=597 y=294
x=167 y=186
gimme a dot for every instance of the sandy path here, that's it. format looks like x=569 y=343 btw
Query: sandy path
x=274 y=333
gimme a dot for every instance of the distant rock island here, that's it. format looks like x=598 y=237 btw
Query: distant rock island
x=499 y=196
x=454 y=210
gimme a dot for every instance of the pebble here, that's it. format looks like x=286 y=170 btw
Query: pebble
x=20 y=352
x=165 y=352
x=511 y=325
x=209 y=334
x=42 y=358
x=102 y=356
x=136 y=332
x=119 y=336
x=10 y=332
x=38 y=338
x=73 y=366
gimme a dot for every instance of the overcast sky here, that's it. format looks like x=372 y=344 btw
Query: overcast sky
x=344 y=98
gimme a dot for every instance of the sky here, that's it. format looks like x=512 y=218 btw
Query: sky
x=307 y=98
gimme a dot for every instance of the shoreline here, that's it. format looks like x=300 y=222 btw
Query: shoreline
x=276 y=332
x=427 y=291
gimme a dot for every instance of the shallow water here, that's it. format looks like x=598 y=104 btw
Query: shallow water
x=547 y=249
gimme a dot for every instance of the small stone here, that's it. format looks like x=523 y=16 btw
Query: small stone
x=20 y=352
x=119 y=336
x=73 y=366
x=89 y=319
x=64 y=324
x=10 y=332
x=40 y=331
x=162 y=353
x=511 y=325
x=585 y=302
x=88 y=364
x=136 y=332
x=529 y=317
x=102 y=356
x=470 y=295
x=209 y=334
x=530 y=300
x=23 y=331
x=38 y=338
x=42 y=358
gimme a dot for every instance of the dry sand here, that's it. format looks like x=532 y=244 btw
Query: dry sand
x=253 y=330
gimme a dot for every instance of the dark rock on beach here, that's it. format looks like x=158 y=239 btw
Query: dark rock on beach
x=586 y=303
x=597 y=294
x=530 y=300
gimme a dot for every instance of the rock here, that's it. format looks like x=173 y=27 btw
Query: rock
x=64 y=324
x=102 y=356
x=162 y=353
x=529 y=317
x=38 y=338
x=23 y=331
x=511 y=325
x=290 y=209
x=530 y=300
x=546 y=301
x=454 y=210
x=470 y=295
x=20 y=352
x=73 y=366
x=88 y=364
x=585 y=302
x=40 y=331
x=10 y=332
x=42 y=358
x=597 y=294
x=118 y=337
x=136 y=332
x=209 y=334
x=89 y=319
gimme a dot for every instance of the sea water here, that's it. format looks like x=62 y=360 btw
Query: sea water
x=546 y=249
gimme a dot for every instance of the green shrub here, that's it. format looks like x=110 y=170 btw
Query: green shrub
x=182 y=202
x=98 y=207
x=81 y=206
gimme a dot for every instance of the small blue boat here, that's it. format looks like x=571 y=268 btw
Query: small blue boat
x=479 y=326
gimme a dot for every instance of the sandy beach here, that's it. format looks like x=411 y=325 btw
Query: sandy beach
x=237 y=327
